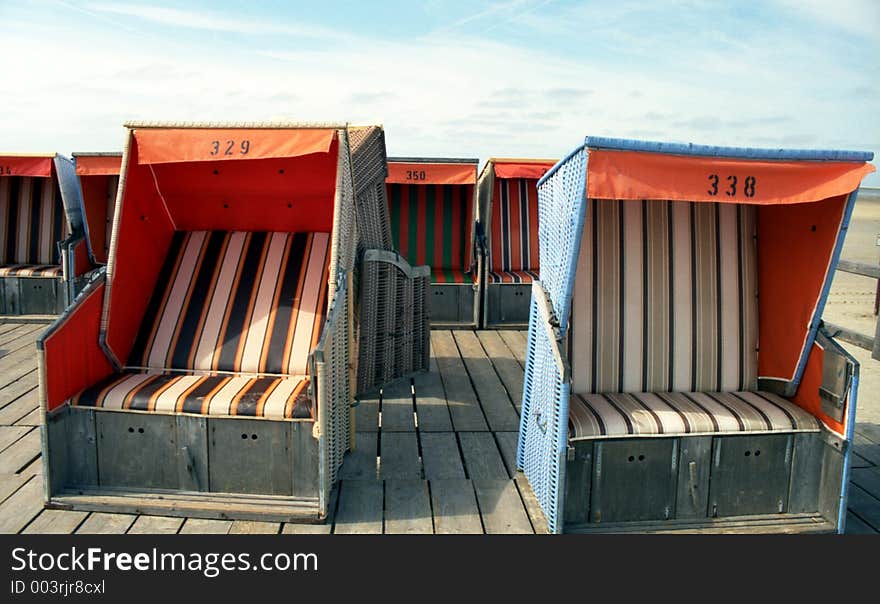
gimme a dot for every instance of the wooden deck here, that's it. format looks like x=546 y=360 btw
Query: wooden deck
x=436 y=456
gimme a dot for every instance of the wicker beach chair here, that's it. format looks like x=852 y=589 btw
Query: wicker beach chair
x=678 y=376
x=211 y=373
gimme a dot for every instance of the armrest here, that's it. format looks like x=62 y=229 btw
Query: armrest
x=549 y=328
x=76 y=257
x=69 y=354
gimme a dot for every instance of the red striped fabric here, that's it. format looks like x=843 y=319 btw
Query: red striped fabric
x=32 y=221
x=513 y=238
x=31 y=270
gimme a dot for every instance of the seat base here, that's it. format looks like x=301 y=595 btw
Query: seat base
x=507 y=304
x=453 y=306
x=33 y=295
x=778 y=524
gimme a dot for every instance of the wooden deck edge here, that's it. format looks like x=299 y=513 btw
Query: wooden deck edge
x=190 y=505
x=775 y=524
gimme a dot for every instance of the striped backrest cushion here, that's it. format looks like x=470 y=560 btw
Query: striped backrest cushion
x=430 y=224
x=513 y=239
x=32 y=220
x=665 y=298
x=236 y=301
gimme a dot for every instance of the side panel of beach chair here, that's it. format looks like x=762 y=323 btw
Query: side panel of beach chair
x=98 y=175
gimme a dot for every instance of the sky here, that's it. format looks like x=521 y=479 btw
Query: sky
x=521 y=78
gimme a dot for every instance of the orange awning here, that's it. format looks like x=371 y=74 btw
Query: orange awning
x=161 y=145
x=98 y=165
x=26 y=166
x=526 y=168
x=425 y=173
x=640 y=175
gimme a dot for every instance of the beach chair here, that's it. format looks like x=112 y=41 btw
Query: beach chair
x=508 y=229
x=433 y=215
x=42 y=249
x=678 y=376
x=98 y=175
x=211 y=372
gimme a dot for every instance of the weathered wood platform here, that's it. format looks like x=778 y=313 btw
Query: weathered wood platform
x=432 y=456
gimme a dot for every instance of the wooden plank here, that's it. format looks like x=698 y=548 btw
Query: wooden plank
x=12 y=388
x=366 y=413
x=306 y=529
x=399 y=458
x=56 y=522
x=455 y=507
x=431 y=408
x=516 y=341
x=203 y=526
x=440 y=456
x=867 y=449
x=10 y=483
x=497 y=406
x=398 y=413
x=19 y=407
x=869 y=432
x=507 y=445
x=34 y=468
x=460 y=396
x=254 y=527
x=868 y=479
x=482 y=460
x=865 y=506
x=10 y=434
x=20 y=338
x=857 y=526
x=20 y=453
x=360 y=507
x=102 y=523
x=407 y=507
x=34 y=418
x=501 y=507
x=859 y=268
x=22 y=506
x=156 y=525
x=533 y=508
x=360 y=464
x=506 y=365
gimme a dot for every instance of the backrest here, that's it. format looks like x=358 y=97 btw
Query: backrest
x=431 y=224
x=250 y=302
x=32 y=220
x=665 y=298
x=513 y=236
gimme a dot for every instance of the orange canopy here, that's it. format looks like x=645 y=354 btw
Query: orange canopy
x=98 y=165
x=24 y=165
x=171 y=145
x=427 y=173
x=522 y=168
x=639 y=175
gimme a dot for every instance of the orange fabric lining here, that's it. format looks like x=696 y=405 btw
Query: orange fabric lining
x=98 y=165
x=526 y=168
x=807 y=396
x=94 y=192
x=639 y=175
x=73 y=358
x=795 y=244
x=431 y=173
x=26 y=166
x=82 y=263
x=157 y=146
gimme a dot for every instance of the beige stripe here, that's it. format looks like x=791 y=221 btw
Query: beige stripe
x=657 y=298
x=682 y=288
x=613 y=420
x=257 y=324
x=608 y=296
x=750 y=299
x=209 y=343
x=305 y=318
x=778 y=419
x=5 y=227
x=275 y=404
x=642 y=420
x=633 y=292
x=752 y=419
x=161 y=343
x=726 y=420
x=24 y=215
x=47 y=237
x=115 y=396
x=700 y=420
x=707 y=298
x=222 y=399
x=167 y=400
x=670 y=418
x=582 y=418
x=582 y=309
x=730 y=306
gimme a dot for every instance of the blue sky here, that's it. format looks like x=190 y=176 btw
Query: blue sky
x=459 y=78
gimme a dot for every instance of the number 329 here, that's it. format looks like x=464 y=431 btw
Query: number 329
x=230 y=148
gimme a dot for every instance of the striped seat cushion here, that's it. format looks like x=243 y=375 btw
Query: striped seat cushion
x=515 y=277
x=430 y=224
x=32 y=221
x=31 y=270
x=676 y=413
x=237 y=302
x=513 y=238
x=270 y=397
x=446 y=276
x=665 y=298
